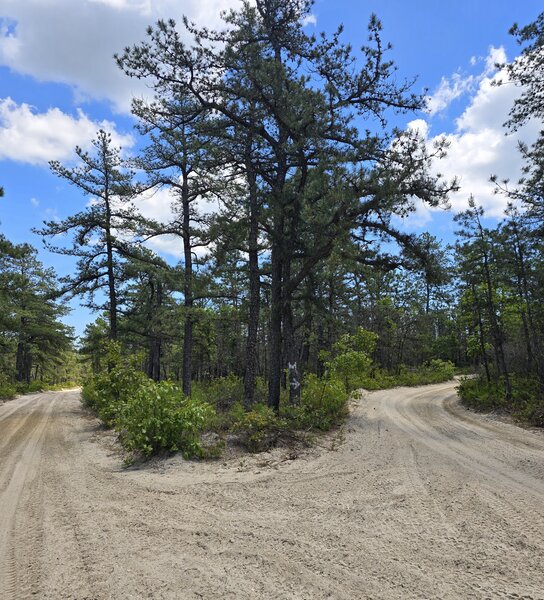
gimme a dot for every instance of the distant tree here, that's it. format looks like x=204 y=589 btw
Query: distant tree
x=147 y=321
x=30 y=326
x=179 y=159
x=478 y=267
x=92 y=343
x=97 y=230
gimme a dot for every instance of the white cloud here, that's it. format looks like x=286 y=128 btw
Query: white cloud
x=494 y=57
x=36 y=138
x=51 y=214
x=171 y=245
x=156 y=205
x=419 y=125
x=448 y=91
x=479 y=147
x=458 y=84
x=73 y=42
x=34 y=202
x=310 y=19
x=141 y=6
x=417 y=220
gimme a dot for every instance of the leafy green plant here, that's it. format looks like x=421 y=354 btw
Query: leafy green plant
x=440 y=370
x=157 y=417
x=323 y=403
x=222 y=392
x=150 y=417
x=258 y=429
x=481 y=395
x=7 y=389
x=526 y=404
x=435 y=371
x=30 y=388
x=106 y=393
x=351 y=359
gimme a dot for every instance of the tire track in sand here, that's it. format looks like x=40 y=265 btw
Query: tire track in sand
x=24 y=460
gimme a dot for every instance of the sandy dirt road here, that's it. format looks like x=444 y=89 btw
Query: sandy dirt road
x=417 y=499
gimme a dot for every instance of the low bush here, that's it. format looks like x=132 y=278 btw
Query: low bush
x=32 y=387
x=526 y=404
x=259 y=428
x=106 y=393
x=351 y=358
x=481 y=395
x=10 y=390
x=323 y=403
x=222 y=393
x=435 y=371
x=150 y=417
x=7 y=388
x=157 y=417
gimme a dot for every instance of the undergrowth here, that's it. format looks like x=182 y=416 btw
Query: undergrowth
x=526 y=404
x=10 y=389
x=152 y=418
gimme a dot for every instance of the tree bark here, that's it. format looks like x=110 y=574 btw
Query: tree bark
x=187 y=360
x=481 y=337
x=496 y=330
x=155 y=343
x=111 y=275
x=250 y=374
x=275 y=338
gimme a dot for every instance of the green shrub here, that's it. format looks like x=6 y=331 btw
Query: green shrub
x=106 y=393
x=258 y=429
x=532 y=412
x=157 y=417
x=350 y=367
x=526 y=404
x=31 y=388
x=481 y=395
x=222 y=393
x=351 y=359
x=323 y=403
x=528 y=400
x=7 y=388
x=440 y=370
x=435 y=371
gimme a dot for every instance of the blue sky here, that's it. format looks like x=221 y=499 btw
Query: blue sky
x=59 y=85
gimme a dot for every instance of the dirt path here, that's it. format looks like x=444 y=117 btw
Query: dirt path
x=420 y=499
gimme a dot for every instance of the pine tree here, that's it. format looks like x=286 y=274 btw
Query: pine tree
x=319 y=178
x=31 y=332
x=100 y=230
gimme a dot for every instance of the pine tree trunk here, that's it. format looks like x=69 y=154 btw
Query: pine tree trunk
x=254 y=292
x=497 y=332
x=275 y=338
x=481 y=337
x=111 y=274
x=187 y=360
x=20 y=361
x=155 y=346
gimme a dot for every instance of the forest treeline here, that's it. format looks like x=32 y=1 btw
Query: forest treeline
x=288 y=190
